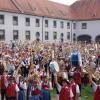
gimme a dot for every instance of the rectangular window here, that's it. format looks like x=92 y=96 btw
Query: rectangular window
x=54 y=24
x=15 y=35
x=2 y=35
x=61 y=24
x=27 y=21
x=74 y=25
x=27 y=35
x=37 y=23
x=46 y=36
x=68 y=25
x=68 y=35
x=84 y=25
x=1 y=19
x=54 y=35
x=15 y=20
x=46 y=23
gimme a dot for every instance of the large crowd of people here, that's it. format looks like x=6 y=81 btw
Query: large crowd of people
x=29 y=71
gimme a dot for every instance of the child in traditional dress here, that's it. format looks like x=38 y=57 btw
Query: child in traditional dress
x=75 y=89
x=11 y=89
x=22 y=88
x=96 y=87
x=2 y=81
x=46 y=87
x=77 y=76
x=35 y=92
x=65 y=92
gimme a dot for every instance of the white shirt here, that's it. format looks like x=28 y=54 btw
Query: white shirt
x=95 y=87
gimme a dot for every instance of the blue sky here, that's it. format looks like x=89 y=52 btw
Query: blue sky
x=68 y=2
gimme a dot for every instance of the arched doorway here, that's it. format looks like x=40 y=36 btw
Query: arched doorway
x=97 y=39
x=84 y=38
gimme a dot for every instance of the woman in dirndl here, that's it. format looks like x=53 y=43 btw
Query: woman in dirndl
x=35 y=92
x=22 y=88
x=46 y=87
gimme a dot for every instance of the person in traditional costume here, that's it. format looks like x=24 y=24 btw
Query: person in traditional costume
x=11 y=67
x=75 y=88
x=25 y=67
x=96 y=88
x=59 y=80
x=65 y=92
x=76 y=59
x=54 y=67
x=46 y=87
x=22 y=88
x=1 y=67
x=30 y=81
x=77 y=76
x=35 y=92
x=11 y=89
x=3 y=88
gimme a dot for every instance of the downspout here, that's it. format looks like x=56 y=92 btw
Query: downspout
x=42 y=28
x=71 y=31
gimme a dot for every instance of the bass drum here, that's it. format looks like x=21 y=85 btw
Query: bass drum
x=54 y=67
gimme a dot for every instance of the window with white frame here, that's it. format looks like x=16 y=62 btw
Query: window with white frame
x=54 y=24
x=54 y=35
x=2 y=35
x=1 y=19
x=61 y=24
x=68 y=35
x=46 y=35
x=37 y=35
x=68 y=25
x=84 y=25
x=27 y=20
x=74 y=37
x=37 y=22
x=62 y=37
x=74 y=25
x=46 y=23
x=15 y=35
x=15 y=20
x=27 y=35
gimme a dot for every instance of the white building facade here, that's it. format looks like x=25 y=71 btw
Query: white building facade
x=14 y=26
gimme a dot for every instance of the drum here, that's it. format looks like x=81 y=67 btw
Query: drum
x=54 y=67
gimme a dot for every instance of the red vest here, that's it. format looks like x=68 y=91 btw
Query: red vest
x=2 y=82
x=45 y=85
x=36 y=92
x=98 y=56
x=74 y=89
x=97 y=94
x=11 y=90
x=78 y=77
x=64 y=94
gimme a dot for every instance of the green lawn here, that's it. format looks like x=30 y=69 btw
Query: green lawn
x=86 y=93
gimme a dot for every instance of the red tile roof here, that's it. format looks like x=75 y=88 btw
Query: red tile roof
x=80 y=10
x=86 y=9
x=8 y=5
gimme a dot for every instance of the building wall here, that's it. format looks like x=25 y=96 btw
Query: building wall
x=59 y=30
x=8 y=27
x=93 y=28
